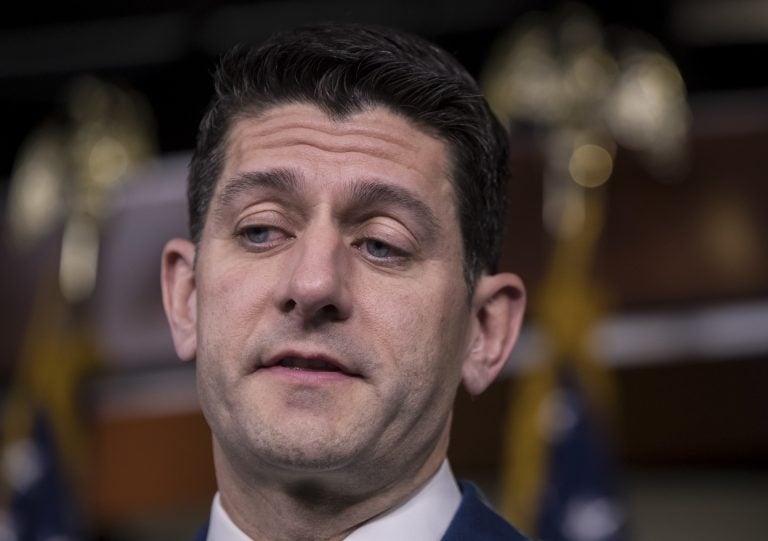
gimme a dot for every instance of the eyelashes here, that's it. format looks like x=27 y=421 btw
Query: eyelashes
x=381 y=252
x=261 y=238
x=260 y=234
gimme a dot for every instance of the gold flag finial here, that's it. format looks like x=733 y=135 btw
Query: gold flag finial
x=111 y=133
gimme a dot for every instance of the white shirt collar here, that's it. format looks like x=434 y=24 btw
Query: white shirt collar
x=425 y=516
x=221 y=527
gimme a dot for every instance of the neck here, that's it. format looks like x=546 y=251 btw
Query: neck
x=318 y=507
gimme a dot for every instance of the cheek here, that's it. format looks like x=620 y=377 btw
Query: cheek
x=230 y=306
x=234 y=290
x=423 y=326
x=425 y=341
x=231 y=303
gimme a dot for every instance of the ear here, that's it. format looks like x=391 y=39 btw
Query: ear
x=177 y=276
x=498 y=305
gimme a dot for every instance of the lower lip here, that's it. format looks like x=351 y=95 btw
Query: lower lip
x=313 y=377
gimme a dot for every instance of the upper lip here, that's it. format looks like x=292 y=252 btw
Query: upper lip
x=315 y=357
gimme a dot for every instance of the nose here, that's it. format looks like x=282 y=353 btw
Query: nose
x=314 y=287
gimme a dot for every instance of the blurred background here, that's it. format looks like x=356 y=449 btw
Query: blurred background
x=634 y=406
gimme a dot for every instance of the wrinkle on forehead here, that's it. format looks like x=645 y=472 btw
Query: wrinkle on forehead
x=377 y=131
x=307 y=125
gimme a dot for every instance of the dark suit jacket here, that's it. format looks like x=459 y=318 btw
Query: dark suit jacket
x=474 y=521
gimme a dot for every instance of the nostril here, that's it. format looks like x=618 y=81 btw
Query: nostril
x=327 y=312
x=331 y=311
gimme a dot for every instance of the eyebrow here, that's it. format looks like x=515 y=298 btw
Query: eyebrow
x=367 y=194
x=375 y=193
x=280 y=180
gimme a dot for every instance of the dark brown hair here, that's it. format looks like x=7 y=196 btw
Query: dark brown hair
x=343 y=69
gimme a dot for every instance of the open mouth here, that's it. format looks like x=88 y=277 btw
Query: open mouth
x=308 y=363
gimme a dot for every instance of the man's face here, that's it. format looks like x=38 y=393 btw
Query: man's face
x=332 y=313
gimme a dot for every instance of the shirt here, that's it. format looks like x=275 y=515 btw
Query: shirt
x=425 y=516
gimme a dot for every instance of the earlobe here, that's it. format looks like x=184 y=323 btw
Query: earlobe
x=498 y=308
x=180 y=295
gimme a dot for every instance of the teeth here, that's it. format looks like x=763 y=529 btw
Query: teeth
x=307 y=364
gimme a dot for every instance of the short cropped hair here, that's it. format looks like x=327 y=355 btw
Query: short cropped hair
x=346 y=68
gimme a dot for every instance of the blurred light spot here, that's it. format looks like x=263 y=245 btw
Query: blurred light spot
x=36 y=195
x=79 y=258
x=648 y=111
x=592 y=73
x=523 y=78
x=590 y=165
x=108 y=160
x=35 y=203
x=591 y=519
x=22 y=464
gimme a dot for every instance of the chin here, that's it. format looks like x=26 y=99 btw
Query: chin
x=303 y=451
x=312 y=460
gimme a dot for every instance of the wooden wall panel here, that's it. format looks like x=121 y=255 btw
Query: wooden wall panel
x=147 y=465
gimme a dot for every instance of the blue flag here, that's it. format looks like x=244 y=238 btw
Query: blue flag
x=41 y=506
x=580 y=500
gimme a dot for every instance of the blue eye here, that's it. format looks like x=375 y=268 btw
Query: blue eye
x=378 y=249
x=257 y=235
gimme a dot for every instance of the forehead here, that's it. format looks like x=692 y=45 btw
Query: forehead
x=372 y=142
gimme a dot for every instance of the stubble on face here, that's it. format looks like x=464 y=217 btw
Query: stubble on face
x=396 y=326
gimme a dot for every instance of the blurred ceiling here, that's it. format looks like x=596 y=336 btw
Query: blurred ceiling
x=165 y=48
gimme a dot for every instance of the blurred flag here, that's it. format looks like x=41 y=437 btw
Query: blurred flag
x=66 y=172
x=43 y=444
x=560 y=483
x=579 y=501
x=42 y=506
